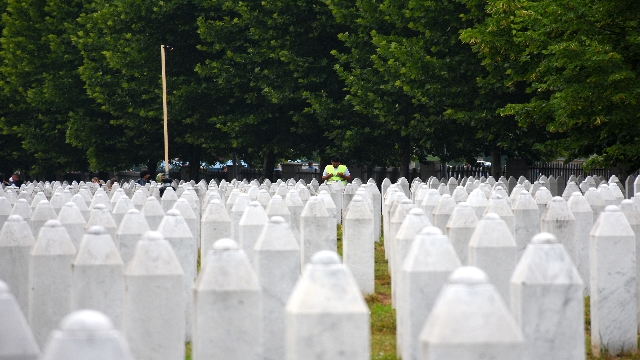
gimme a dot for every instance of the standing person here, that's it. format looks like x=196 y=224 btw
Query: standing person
x=311 y=167
x=144 y=177
x=336 y=171
x=14 y=180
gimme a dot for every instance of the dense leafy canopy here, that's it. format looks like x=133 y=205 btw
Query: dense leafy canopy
x=380 y=82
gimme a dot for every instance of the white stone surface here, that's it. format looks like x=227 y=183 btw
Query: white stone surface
x=559 y=221
x=251 y=224
x=86 y=334
x=215 y=225
x=317 y=230
x=493 y=249
x=583 y=214
x=612 y=255
x=190 y=217
x=16 y=338
x=139 y=199
x=442 y=212
x=176 y=231
x=499 y=204
x=16 y=243
x=330 y=205
x=130 y=231
x=425 y=270
x=357 y=244
x=101 y=216
x=22 y=208
x=469 y=320
x=542 y=198
x=98 y=280
x=478 y=201
x=460 y=228
x=596 y=201
x=121 y=207
x=526 y=215
x=41 y=214
x=377 y=208
x=228 y=306
x=632 y=213
x=401 y=207
x=169 y=198
x=237 y=210
x=547 y=302
x=81 y=204
x=607 y=195
x=154 y=318
x=153 y=213
x=50 y=279
x=71 y=218
x=337 y=327
x=277 y=264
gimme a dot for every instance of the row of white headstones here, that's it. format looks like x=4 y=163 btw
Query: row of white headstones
x=246 y=285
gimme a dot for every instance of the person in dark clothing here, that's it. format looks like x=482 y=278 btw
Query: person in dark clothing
x=14 y=180
x=144 y=178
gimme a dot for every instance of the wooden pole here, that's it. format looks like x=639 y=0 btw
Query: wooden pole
x=164 y=108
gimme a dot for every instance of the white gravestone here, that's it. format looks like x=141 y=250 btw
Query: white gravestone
x=190 y=217
x=241 y=203
x=98 y=280
x=277 y=264
x=478 y=202
x=22 y=208
x=81 y=204
x=493 y=249
x=317 y=230
x=430 y=261
x=72 y=219
x=169 y=198
x=251 y=224
x=215 y=225
x=50 y=279
x=101 y=216
x=295 y=205
x=460 y=228
x=16 y=243
x=121 y=207
x=153 y=213
x=16 y=338
x=498 y=204
x=130 y=231
x=228 y=306
x=41 y=214
x=596 y=201
x=559 y=221
x=632 y=213
x=612 y=255
x=176 y=231
x=470 y=319
x=357 y=244
x=86 y=334
x=335 y=328
x=526 y=215
x=583 y=214
x=443 y=211
x=154 y=317
x=547 y=302
x=139 y=199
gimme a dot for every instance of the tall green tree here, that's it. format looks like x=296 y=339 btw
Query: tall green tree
x=267 y=60
x=579 y=61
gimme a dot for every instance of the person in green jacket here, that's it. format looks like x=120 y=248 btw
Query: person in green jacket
x=336 y=171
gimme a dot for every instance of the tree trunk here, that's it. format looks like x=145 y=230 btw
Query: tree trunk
x=268 y=164
x=405 y=157
x=194 y=163
x=496 y=163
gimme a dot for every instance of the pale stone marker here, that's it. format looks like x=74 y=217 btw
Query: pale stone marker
x=251 y=224
x=443 y=211
x=357 y=244
x=470 y=318
x=329 y=205
x=138 y=199
x=176 y=231
x=570 y=189
x=86 y=334
x=460 y=228
x=583 y=214
x=559 y=221
x=81 y=204
x=101 y=216
x=632 y=213
x=399 y=214
x=153 y=213
x=215 y=225
x=317 y=230
x=336 y=327
x=493 y=249
x=612 y=255
x=277 y=264
x=478 y=202
x=72 y=219
x=526 y=215
x=16 y=243
x=377 y=208
x=50 y=279
x=241 y=203
x=42 y=213
x=295 y=205
x=169 y=199
x=542 y=198
x=499 y=204
x=596 y=201
x=607 y=195
x=100 y=198
x=121 y=207
x=547 y=303
x=98 y=281
x=130 y=231
x=22 y=208
x=16 y=339
x=425 y=270
x=228 y=306
x=154 y=316
x=190 y=217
